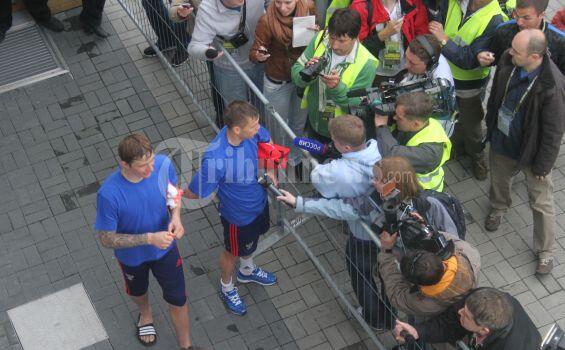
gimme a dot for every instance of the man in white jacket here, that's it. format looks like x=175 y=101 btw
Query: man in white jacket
x=231 y=24
x=352 y=174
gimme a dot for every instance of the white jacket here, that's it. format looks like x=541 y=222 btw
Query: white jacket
x=349 y=176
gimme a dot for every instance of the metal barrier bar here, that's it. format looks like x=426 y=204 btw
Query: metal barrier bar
x=193 y=80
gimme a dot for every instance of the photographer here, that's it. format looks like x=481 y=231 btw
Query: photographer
x=417 y=137
x=485 y=319
x=426 y=285
x=342 y=64
x=361 y=252
x=387 y=28
x=424 y=59
x=352 y=174
x=231 y=24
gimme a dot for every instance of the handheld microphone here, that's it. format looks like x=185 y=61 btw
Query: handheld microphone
x=310 y=145
x=211 y=53
x=264 y=181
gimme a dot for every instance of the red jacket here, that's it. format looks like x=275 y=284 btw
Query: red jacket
x=415 y=17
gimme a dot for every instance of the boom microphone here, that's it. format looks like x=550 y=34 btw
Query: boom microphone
x=310 y=145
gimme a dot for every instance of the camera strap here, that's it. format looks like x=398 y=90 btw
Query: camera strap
x=241 y=26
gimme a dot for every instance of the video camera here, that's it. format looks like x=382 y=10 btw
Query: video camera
x=414 y=233
x=382 y=99
x=312 y=71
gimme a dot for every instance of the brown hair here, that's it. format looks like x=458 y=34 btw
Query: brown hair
x=417 y=105
x=490 y=308
x=401 y=171
x=238 y=112
x=348 y=129
x=418 y=49
x=539 y=5
x=134 y=147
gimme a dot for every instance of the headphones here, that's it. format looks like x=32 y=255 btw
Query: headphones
x=434 y=60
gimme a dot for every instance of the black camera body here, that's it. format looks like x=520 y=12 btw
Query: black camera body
x=382 y=99
x=239 y=39
x=414 y=233
x=311 y=72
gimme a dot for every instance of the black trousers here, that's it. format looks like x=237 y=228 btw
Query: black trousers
x=38 y=9
x=92 y=12
x=361 y=259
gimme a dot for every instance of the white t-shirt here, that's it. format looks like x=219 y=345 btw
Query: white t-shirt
x=442 y=71
x=336 y=59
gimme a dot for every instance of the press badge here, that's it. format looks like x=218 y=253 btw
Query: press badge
x=392 y=54
x=505 y=117
x=329 y=111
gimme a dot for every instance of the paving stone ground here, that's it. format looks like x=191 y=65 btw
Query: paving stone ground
x=58 y=144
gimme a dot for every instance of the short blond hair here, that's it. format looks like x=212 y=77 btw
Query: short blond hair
x=348 y=129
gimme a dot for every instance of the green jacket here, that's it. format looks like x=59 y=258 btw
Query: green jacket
x=364 y=79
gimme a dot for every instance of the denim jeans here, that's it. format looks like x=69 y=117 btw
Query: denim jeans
x=361 y=259
x=232 y=87
x=286 y=102
x=169 y=34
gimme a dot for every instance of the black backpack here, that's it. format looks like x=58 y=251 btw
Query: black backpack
x=449 y=202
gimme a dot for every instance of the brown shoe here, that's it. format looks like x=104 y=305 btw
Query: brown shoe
x=545 y=265
x=479 y=169
x=492 y=222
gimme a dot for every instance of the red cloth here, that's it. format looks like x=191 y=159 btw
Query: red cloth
x=415 y=21
x=272 y=156
x=559 y=20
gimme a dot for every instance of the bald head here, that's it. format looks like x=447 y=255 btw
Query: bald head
x=528 y=48
x=534 y=40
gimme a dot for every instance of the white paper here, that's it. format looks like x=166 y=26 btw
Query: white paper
x=301 y=35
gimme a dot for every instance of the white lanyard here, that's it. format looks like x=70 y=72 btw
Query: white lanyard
x=523 y=96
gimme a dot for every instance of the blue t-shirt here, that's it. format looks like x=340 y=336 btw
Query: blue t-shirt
x=136 y=208
x=232 y=170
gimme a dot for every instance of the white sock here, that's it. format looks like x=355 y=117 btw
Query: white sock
x=246 y=266
x=227 y=287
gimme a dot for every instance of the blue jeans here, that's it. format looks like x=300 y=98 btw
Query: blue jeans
x=286 y=102
x=169 y=33
x=233 y=88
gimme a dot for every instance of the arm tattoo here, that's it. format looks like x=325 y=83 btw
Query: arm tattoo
x=111 y=239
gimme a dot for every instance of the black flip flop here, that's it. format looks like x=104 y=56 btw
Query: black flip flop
x=145 y=330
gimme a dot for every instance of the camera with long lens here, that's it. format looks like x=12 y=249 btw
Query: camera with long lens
x=382 y=99
x=312 y=71
x=414 y=233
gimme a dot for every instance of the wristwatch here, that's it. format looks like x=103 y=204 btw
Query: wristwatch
x=388 y=251
x=443 y=43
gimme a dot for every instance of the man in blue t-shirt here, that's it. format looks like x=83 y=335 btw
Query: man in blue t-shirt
x=229 y=165
x=132 y=217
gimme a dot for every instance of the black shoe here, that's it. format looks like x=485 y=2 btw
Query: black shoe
x=179 y=57
x=96 y=30
x=52 y=24
x=150 y=52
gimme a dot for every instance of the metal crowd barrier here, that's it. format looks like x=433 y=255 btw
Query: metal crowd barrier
x=326 y=247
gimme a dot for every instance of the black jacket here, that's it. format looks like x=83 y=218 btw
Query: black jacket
x=502 y=40
x=520 y=335
x=544 y=119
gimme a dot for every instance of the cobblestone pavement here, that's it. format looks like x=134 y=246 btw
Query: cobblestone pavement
x=58 y=144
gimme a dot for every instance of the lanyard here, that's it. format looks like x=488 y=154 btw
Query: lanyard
x=523 y=96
